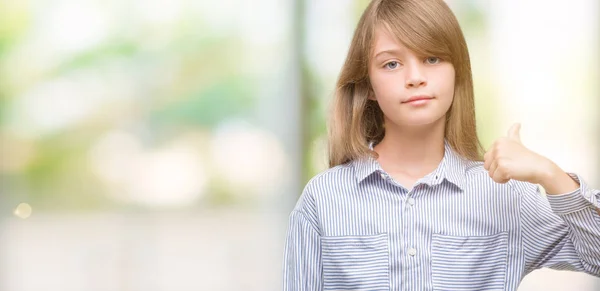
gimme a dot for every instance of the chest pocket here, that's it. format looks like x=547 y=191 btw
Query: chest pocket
x=356 y=262
x=469 y=262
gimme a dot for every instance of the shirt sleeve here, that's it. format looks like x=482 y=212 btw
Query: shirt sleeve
x=561 y=231
x=302 y=256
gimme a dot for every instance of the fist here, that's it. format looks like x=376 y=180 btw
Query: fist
x=509 y=159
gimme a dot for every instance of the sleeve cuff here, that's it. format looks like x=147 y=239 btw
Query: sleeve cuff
x=574 y=201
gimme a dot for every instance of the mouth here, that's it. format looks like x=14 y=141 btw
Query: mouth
x=417 y=99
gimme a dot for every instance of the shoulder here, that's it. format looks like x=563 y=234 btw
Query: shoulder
x=322 y=185
x=331 y=178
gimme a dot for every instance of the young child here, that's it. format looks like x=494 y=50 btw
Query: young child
x=408 y=203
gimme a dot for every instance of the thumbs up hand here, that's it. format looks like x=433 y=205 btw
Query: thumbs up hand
x=514 y=132
x=509 y=159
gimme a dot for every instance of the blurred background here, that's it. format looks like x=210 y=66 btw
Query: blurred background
x=160 y=145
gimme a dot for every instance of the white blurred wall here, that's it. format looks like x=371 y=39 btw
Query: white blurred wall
x=545 y=63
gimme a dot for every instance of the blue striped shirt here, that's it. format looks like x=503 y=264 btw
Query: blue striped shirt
x=355 y=228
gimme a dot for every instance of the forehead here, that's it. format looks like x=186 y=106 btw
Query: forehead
x=384 y=40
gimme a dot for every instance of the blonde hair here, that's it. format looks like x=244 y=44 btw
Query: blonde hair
x=427 y=27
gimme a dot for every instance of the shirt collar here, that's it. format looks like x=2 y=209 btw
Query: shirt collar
x=451 y=169
x=366 y=166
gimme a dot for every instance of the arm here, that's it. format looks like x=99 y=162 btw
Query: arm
x=556 y=181
x=562 y=232
x=302 y=256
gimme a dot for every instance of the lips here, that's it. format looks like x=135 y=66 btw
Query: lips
x=417 y=98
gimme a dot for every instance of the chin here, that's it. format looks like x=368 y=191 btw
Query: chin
x=422 y=120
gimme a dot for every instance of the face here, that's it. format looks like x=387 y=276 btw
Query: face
x=411 y=90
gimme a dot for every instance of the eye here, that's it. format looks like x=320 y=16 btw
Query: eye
x=392 y=65
x=432 y=60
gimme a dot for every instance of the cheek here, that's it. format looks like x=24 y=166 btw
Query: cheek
x=382 y=85
x=450 y=87
x=448 y=83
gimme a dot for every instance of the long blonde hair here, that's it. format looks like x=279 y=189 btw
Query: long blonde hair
x=427 y=27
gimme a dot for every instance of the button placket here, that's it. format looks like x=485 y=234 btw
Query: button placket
x=412 y=252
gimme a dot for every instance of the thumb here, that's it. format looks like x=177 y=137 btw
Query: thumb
x=513 y=132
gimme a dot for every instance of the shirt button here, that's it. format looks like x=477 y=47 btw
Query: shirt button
x=411 y=201
x=383 y=176
x=412 y=252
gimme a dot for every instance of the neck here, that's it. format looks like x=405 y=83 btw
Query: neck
x=415 y=151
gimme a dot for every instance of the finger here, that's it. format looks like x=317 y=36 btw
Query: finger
x=499 y=176
x=497 y=173
x=487 y=160
x=502 y=180
x=489 y=157
x=493 y=168
x=514 y=132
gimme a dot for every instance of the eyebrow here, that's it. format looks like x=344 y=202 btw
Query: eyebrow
x=390 y=51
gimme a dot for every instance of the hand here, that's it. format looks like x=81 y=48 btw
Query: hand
x=509 y=159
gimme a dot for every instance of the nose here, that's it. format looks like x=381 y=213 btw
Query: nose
x=415 y=77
